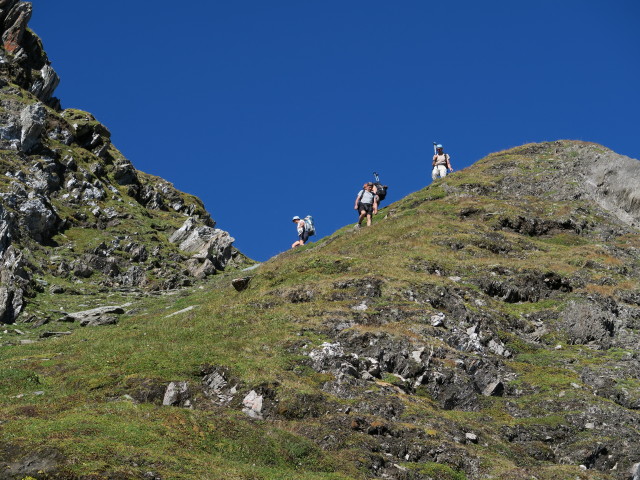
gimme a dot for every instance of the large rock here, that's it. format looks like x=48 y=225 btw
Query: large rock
x=38 y=218
x=32 y=119
x=95 y=316
x=204 y=243
x=44 y=85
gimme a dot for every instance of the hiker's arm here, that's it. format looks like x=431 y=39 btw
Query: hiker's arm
x=449 y=164
x=375 y=204
x=355 y=207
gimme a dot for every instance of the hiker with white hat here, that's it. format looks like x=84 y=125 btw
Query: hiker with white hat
x=441 y=162
x=303 y=231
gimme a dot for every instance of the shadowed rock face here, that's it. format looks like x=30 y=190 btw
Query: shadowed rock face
x=61 y=173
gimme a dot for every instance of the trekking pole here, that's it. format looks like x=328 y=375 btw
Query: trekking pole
x=434 y=148
x=375 y=175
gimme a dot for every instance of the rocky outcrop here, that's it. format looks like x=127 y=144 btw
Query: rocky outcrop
x=15 y=25
x=210 y=248
x=24 y=59
x=62 y=174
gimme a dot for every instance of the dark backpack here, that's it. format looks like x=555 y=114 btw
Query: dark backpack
x=381 y=191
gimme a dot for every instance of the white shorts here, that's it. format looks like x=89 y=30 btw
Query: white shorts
x=439 y=171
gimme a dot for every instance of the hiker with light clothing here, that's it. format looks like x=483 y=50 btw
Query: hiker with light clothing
x=366 y=204
x=441 y=163
x=303 y=232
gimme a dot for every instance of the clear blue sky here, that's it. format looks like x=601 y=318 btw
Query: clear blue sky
x=269 y=109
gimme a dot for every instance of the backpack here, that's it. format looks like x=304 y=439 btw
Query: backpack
x=308 y=225
x=381 y=191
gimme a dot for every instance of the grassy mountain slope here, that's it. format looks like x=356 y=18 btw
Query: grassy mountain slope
x=484 y=327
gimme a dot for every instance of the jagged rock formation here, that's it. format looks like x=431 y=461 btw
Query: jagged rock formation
x=71 y=206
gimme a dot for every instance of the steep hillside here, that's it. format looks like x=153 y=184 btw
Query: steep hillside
x=75 y=215
x=486 y=326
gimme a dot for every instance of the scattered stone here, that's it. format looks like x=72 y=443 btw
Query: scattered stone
x=494 y=389
x=498 y=348
x=362 y=307
x=471 y=437
x=252 y=405
x=437 y=320
x=417 y=354
x=176 y=393
x=240 y=283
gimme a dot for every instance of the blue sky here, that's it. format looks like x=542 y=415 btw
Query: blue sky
x=269 y=109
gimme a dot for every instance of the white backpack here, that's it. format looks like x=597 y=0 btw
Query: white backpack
x=308 y=225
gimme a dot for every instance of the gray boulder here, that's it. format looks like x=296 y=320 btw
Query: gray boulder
x=95 y=316
x=38 y=218
x=204 y=243
x=177 y=393
x=32 y=119
x=44 y=85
